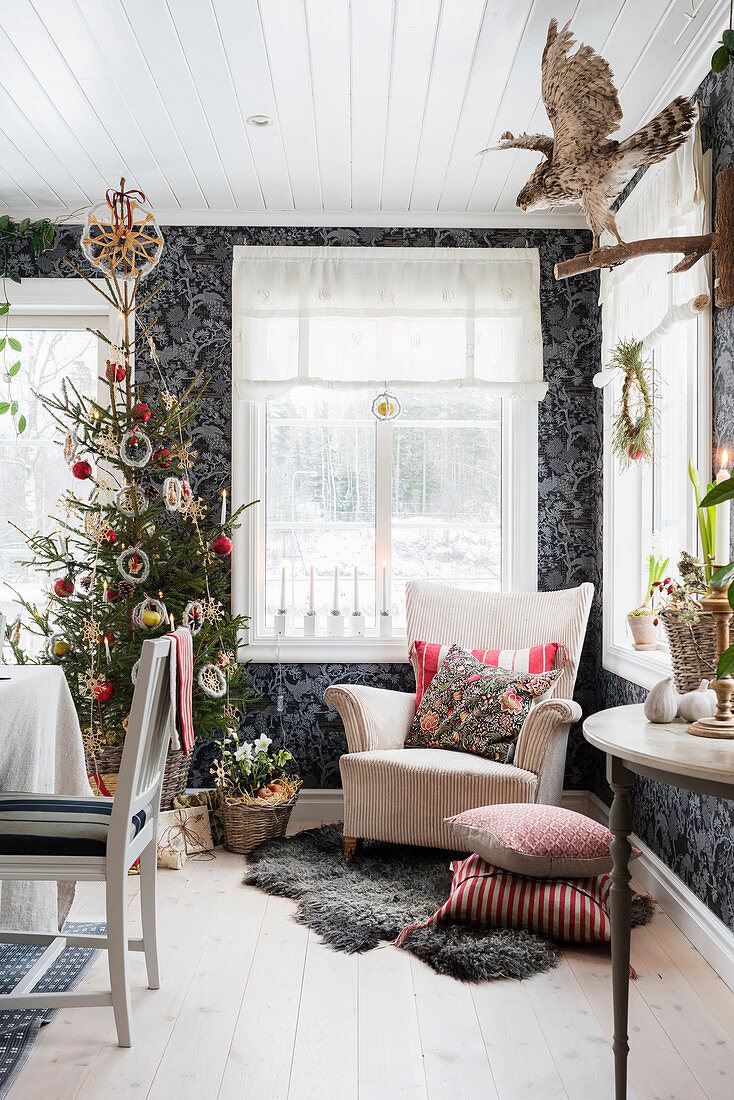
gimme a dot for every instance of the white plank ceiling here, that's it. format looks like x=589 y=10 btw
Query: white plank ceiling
x=378 y=106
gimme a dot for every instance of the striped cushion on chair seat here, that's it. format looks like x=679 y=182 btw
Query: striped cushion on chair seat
x=54 y=825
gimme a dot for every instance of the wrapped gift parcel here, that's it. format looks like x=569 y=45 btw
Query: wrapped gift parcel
x=182 y=833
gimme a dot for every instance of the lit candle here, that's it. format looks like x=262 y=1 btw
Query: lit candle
x=335 y=605
x=107 y=650
x=282 y=587
x=224 y=508
x=170 y=619
x=385 y=606
x=722 y=551
x=356 y=591
x=311 y=607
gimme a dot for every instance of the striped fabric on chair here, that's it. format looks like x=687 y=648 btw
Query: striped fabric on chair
x=53 y=825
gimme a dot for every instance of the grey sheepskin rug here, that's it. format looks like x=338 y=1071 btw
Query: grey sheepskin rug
x=356 y=906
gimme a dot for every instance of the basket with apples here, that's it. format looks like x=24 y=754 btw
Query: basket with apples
x=256 y=795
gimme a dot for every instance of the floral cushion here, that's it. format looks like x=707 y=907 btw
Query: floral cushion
x=475 y=708
x=543 y=841
x=575 y=910
x=427 y=657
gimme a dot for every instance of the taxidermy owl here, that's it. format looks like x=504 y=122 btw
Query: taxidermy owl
x=582 y=163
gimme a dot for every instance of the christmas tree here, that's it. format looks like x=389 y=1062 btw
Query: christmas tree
x=140 y=553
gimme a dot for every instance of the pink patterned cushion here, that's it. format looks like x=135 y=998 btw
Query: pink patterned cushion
x=542 y=841
x=427 y=657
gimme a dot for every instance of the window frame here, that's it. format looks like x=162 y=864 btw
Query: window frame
x=519 y=537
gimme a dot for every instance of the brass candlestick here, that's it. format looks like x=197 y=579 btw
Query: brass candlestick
x=722 y=724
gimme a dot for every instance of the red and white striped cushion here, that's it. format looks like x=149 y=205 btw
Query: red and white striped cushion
x=542 y=841
x=427 y=657
x=575 y=910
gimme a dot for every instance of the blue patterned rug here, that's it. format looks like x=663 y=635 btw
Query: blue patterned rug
x=19 y=1030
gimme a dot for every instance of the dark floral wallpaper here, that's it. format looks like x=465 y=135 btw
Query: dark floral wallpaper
x=694 y=834
x=193 y=332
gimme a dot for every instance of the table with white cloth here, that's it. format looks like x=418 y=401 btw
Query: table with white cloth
x=41 y=752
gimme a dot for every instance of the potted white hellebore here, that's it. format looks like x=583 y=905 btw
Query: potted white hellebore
x=256 y=795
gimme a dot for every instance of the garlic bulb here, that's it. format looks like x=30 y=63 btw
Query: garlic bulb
x=700 y=703
x=661 y=704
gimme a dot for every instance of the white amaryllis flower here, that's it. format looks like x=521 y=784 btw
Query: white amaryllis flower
x=263 y=743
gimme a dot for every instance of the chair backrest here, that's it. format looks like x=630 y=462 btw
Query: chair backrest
x=501 y=620
x=147 y=738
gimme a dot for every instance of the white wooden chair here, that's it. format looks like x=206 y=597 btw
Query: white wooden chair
x=57 y=838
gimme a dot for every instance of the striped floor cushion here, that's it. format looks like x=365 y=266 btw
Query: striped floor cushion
x=575 y=910
x=53 y=825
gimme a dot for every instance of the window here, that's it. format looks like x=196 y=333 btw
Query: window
x=650 y=507
x=446 y=491
x=46 y=317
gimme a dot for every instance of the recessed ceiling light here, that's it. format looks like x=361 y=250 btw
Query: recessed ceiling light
x=259 y=120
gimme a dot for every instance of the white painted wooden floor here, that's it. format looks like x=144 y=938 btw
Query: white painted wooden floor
x=252 y=1005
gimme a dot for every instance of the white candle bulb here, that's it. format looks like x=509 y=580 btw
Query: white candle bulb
x=722 y=551
x=385 y=606
x=224 y=508
x=335 y=605
x=282 y=587
x=311 y=607
x=356 y=591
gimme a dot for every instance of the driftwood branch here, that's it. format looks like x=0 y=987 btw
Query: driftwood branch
x=693 y=249
x=721 y=243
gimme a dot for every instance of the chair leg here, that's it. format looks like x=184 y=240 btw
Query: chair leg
x=149 y=913
x=352 y=844
x=117 y=952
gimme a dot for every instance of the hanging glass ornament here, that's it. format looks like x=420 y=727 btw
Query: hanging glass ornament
x=212 y=682
x=124 y=500
x=135 y=448
x=150 y=613
x=193 y=616
x=121 y=236
x=138 y=568
x=386 y=406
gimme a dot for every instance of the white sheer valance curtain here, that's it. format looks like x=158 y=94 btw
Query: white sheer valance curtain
x=640 y=298
x=416 y=318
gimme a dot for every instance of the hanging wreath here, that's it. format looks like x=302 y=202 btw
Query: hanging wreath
x=124 y=500
x=57 y=646
x=133 y=564
x=135 y=448
x=83 y=585
x=212 y=682
x=121 y=236
x=71 y=447
x=386 y=406
x=193 y=616
x=173 y=492
x=150 y=613
x=634 y=420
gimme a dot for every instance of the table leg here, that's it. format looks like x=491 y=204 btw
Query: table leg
x=620 y=824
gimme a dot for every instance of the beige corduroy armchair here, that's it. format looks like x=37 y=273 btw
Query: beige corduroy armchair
x=403 y=795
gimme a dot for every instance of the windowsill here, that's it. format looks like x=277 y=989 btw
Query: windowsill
x=644 y=668
x=295 y=649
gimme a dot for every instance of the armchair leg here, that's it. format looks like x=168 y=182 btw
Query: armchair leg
x=352 y=844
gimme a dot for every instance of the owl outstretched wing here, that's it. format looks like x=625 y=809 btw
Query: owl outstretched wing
x=539 y=142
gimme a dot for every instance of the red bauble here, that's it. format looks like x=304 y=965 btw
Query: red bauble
x=63 y=588
x=222 y=545
x=104 y=692
x=111 y=596
x=635 y=453
x=111 y=535
x=115 y=372
x=162 y=458
x=82 y=469
x=140 y=412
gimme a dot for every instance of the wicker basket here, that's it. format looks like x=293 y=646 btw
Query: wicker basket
x=692 y=649
x=106 y=764
x=246 y=824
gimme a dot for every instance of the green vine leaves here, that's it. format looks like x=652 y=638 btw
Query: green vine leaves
x=40 y=236
x=725 y=53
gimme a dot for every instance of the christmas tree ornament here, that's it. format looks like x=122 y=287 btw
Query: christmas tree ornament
x=63 y=588
x=168 y=399
x=134 y=565
x=386 y=406
x=222 y=545
x=56 y=647
x=121 y=236
x=111 y=536
x=104 y=691
x=212 y=682
x=135 y=448
x=115 y=372
x=162 y=458
x=140 y=412
x=185 y=454
x=173 y=492
x=149 y=613
x=111 y=595
x=83 y=585
x=193 y=616
x=91 y=633
x=124 y=500
x=81 y=469
x=106 y=442
x=71 y=447
x=194 y=510
x=125 y=590
x=90 y=682
x=212 y=609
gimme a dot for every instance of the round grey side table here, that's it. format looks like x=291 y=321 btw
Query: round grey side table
x=668 y=754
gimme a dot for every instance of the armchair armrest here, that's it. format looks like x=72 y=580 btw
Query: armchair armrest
x=541 y=746
x=373 y=717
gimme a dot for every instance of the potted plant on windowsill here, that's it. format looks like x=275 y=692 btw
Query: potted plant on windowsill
x=256 y=795
x=643 y=620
